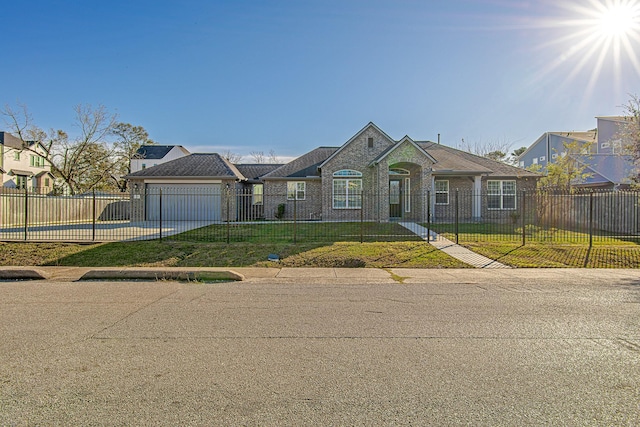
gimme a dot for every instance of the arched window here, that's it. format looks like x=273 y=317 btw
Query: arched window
x=347 y=173
x=399 y=171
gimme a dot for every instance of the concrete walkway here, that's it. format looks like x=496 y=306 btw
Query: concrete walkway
x=452 y=249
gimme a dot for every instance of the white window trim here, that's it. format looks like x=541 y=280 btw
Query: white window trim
x=297 y=190
x=346 y=194
x=257 y=199
x=502 y=195
x=441 y=192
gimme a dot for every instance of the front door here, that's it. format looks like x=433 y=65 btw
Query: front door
x=395 y=198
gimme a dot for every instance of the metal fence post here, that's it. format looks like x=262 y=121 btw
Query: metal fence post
x=228 y=196
x=428 y=215
x=361 y=216
x=590 y=219
x=26 y=212
x=295 y=218
x=93 y=215
x=160 y=216
x=524 y=219
x=457 y=215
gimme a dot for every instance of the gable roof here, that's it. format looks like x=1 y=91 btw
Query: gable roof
x=586 y=136
x=304 y=166
x=9 y=140
x=153 y=151
x=392 y=148
x=453 y=161
x=210 y=165
x=369 y=125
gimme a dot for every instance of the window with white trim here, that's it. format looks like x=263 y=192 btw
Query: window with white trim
x=296 y=190
x=442 y=192
x=347 y=189
x=543 y=158
x=501 y=195
x=257 y=194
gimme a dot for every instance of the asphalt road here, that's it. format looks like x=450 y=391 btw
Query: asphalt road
x=454 y=347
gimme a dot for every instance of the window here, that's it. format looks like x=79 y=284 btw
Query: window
x=16 y=155
x=144 y=166
x=347 y=189
x=543 y=158
x=501 y=194
x=47 y=182
x=521 y=164
x=370 y=142
x=21 y=182
x=535 y=160
x=399 y=171
x=36 y=161
x=442 y=192
x=554 y=156
x=296 y=190
x=257 y=194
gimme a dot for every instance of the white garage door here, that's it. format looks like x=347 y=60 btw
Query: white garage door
x=184 y=202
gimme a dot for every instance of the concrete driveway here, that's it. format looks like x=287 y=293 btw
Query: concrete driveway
x=322 y=347
x=104 y=231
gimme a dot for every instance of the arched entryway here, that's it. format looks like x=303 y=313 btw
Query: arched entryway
x=404 y=185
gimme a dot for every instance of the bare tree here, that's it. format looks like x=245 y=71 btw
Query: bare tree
x=129 y=139
x=258 y=156
x=82 y=163
x=273 y=158
x=496 y=149
x=231 y=156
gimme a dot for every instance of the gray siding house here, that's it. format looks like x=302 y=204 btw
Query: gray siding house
x=370 y=177
x=601 y=152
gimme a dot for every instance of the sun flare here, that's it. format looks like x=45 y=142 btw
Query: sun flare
x=597 y=37
x=617 y=20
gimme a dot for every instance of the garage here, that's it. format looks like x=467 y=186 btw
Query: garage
x=183 y=202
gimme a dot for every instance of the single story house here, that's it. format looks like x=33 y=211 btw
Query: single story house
x=370 y=177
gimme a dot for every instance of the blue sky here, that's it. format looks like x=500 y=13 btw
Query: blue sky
x=290 y=76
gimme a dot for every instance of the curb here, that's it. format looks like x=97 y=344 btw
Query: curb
x=151 y=274
x=154 y=275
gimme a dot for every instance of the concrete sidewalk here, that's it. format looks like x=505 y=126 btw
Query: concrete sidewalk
x=451 y=248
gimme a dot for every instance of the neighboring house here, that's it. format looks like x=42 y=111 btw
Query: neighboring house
x=602 y=153
x=152 y=155
x=22 y=168
x=371 y=177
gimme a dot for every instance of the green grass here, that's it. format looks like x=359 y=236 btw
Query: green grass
x=300 y=232
x=327 y=245
x=195 y=254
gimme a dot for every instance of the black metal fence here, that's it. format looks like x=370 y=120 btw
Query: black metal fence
x=216 y=214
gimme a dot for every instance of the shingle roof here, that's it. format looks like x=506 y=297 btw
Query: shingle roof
x=154 y=151
x=9 y=140
x=210 y=165
x=305 y=165
x=451 y=160
x=254 y=171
